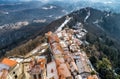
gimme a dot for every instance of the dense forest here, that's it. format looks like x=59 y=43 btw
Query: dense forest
x=32 y=42
x=104 y=56
x=104 y=48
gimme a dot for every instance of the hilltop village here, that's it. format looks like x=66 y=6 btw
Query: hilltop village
x=60 y=57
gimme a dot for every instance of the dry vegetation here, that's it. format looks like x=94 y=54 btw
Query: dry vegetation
x=26 y=48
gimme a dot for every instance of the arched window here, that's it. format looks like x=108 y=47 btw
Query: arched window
x=15 y=76
x=52 y=70
x=13 y=72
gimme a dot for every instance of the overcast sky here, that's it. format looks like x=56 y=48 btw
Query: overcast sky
x=76 y=0
x=102 y=1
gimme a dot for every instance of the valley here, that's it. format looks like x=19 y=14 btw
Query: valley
x=79 y=39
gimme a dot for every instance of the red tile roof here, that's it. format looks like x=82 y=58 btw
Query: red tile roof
x=42 y=63
x=56 y=48
x=9 y=62
x=52 y=37
x=92 y=77
x=63 y=71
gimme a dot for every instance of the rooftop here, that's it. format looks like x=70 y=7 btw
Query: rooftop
x=52 y=37
x=37 y=65
x=9 y=62
x=3 y=74
x=51 y=70
x=3 y=66
x=92 y=77
x=63 y=71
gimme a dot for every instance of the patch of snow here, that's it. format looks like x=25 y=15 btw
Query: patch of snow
x=57 y=17
x=108 y=2
x=96 y=23
x=34 y=51
x=43 y=50
x=40 y=57
x=16 y=25
x=6 y=13
x=24 y=23
x=27 y=60
x=17 y=59
x=44 y=44
x=1 y=27
x=40 y=21
x=3 y=12
x=50 y=16
x=64 y=11
x=107 y=15
x=50 y=7
x=65 y=22
x=88 y=15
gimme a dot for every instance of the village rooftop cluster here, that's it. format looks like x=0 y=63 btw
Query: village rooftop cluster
x=68 y=60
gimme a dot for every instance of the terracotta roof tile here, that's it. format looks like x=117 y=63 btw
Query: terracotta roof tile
x=53 y=38
x=9 y=62
x=92 y=77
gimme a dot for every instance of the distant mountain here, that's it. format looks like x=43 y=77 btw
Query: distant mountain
x=111 y=5
x=71 y=5
x=23 y=21
x=19 y=25
x=108 y=22
x=44 y=12
x=103 y=37
x=17 y=6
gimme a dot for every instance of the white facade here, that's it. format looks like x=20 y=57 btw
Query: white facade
x=52 y=71
x=16 y=72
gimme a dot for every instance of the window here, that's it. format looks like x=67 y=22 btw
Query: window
x=52 y=71
x=13 y=72
x=69 y=78
x=35 y=77
x=15 y=76
x=39 y=76
x=52 y=78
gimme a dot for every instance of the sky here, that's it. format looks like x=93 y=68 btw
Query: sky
x=102 y=1
x=76 y=0
x=94 y=1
